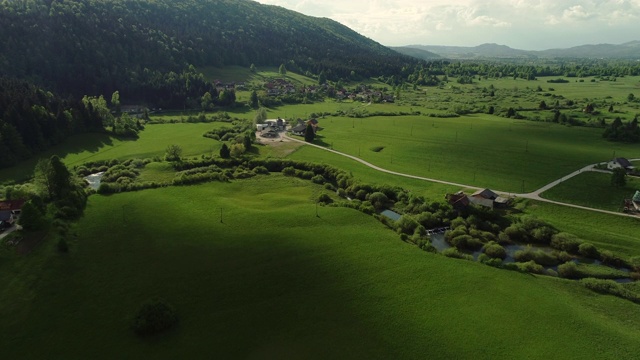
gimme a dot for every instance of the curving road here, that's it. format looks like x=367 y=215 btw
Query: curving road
x=534 y=195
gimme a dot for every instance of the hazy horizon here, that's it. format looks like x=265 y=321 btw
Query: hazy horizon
x=519 y=24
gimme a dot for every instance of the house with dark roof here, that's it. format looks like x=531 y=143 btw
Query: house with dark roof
x=301 y=128
x=488 y=198
x=458 y=201
x=485 y=194
x=620 y=163
x=7 y=218
x=13 y=206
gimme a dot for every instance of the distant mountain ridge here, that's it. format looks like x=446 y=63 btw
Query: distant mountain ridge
x=628 y=50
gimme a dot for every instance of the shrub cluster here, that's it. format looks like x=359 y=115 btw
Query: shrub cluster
x=153 y=317
x=228 y=133
x=610 y=287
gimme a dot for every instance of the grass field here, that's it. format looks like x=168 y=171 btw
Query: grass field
x=480 y=150
x=594 y=190
x=274 y=281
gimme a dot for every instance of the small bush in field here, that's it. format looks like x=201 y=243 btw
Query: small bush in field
x=154 y=316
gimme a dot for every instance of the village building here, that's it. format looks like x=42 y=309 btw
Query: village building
x=9 y=211
x=485 y=197
x=301 y=128
x=620 y=163
x=459 y=201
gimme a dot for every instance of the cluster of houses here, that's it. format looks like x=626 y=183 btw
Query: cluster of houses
x=485 y=198
x=9 y=212
x=272 y=127
x=233 y=85
x=279 y=87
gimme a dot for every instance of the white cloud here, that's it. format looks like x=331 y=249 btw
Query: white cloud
x=577 y=12
x=526 y=24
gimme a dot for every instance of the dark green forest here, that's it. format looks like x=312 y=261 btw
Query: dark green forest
x=143 y=48
x=32 y=120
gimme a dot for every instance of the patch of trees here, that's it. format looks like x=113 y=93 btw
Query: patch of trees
x=33 y=119
x=558 y=81
x=618 y=131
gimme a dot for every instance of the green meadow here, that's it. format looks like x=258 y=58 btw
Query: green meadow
x=479 y=150
x=593 y=189
x=272 y=280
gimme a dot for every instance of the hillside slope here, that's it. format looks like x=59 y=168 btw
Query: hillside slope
x=98 y=46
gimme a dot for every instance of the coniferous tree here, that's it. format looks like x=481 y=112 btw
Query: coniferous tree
x=225 y=152
x=309 y=134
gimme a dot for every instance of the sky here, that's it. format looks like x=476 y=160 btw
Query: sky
x=520 y=24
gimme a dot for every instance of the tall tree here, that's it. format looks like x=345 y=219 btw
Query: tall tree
x=619 y=177
x=207 y=101
x=282 y=70
x=253 y=100
x=225 y=153
x=309 y=134
x=115 y=102
x=52 y=178
x=261 y=116
x=173 y=153
x=322 y=78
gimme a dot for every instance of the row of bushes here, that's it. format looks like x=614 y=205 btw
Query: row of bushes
x=111 y=188
x=227 y=133
x=610 y=287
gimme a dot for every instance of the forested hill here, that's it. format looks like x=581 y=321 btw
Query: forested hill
x=98 y=46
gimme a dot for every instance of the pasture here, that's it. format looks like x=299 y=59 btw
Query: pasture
x=480 y=150
x=594 y=190
x=272 y=280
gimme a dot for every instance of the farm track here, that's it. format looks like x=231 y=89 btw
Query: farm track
x=534 y=195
